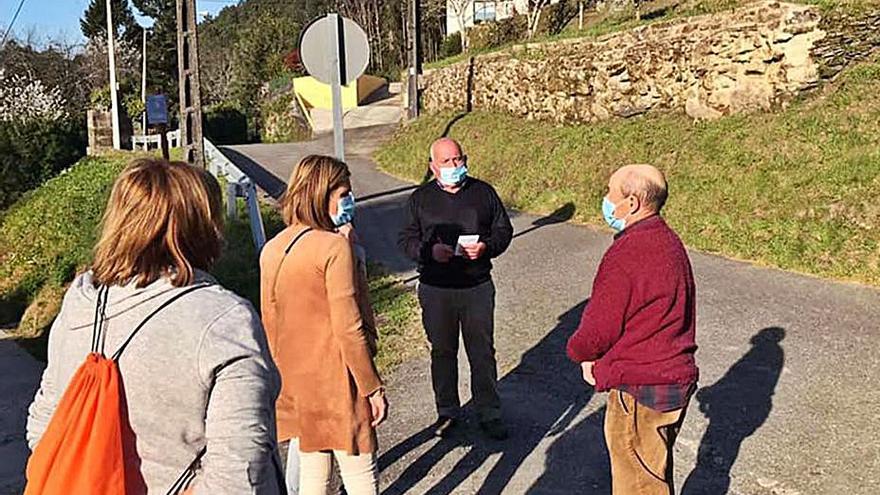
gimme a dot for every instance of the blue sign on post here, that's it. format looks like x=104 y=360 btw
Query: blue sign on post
x=157 y=110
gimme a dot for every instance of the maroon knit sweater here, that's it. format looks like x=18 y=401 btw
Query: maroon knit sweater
x=640 y=323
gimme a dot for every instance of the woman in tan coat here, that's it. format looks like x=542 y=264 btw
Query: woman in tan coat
x=332 y=398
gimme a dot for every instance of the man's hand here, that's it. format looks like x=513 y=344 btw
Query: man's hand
x=442 y=253
x=474 y=251
x=378 y=407
x=587 y=370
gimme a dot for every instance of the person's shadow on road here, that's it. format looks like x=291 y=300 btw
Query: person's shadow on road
x=542 y=396
x=736 y=406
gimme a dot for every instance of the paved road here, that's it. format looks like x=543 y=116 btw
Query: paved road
x=19 y=378
x=789 y=368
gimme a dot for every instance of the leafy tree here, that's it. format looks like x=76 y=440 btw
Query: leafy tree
x=94 y=21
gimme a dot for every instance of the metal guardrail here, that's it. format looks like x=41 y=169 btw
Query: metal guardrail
x=238 y=185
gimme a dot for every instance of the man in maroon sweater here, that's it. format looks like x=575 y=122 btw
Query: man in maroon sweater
x=636 y=338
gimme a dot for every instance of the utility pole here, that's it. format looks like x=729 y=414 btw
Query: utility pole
x=416 y=60
x=114 y=97
x=144 y=85
x=191 y=136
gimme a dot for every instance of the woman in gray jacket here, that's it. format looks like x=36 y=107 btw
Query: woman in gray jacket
x=198 y=375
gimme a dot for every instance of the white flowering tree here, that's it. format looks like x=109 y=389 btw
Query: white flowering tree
x=24 y=98
x=460 y=8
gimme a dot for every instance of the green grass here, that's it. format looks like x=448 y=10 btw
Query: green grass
x=48 y=236
x=794 y=189
x=397 y=316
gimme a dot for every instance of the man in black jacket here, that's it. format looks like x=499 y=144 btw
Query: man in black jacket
x=456 y=225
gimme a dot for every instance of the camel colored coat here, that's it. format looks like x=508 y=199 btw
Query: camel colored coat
x=320 y=341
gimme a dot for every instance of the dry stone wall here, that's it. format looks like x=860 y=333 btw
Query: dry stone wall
x=848 y=38
x=753 y=58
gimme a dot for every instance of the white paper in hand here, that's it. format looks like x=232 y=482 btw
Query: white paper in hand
x=465 y=240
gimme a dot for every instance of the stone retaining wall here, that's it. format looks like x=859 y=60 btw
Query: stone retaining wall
x=753 y=58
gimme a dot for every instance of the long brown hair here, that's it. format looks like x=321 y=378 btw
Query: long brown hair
x=307 y=199
x=163 y=219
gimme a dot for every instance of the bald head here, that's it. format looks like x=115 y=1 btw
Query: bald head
x=644 y=182
x=443 y=149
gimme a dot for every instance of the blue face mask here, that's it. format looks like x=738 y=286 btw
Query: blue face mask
x=608 y=207
x=453 y=176
x=344 y=210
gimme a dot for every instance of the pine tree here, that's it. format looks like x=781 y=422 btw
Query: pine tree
x=94 y=21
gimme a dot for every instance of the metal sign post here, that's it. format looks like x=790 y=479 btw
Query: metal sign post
x=335 y=51
x=337 y=47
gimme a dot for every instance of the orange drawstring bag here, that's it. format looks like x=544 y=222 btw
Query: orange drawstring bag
x=81 y=452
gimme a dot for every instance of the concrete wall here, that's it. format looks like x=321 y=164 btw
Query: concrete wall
x=317 y=94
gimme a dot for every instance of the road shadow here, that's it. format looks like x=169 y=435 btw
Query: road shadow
x=541 y=397
x=383 y=194
x=736 y=406
x=578 y=461
x=377 y=223
x=561 y=215
x=264 y=179
x=381 y=93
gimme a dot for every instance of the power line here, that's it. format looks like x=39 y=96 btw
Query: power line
x=11 y=23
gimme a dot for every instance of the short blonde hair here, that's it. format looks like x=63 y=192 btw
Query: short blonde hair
x=163 y=219
x=307 y=199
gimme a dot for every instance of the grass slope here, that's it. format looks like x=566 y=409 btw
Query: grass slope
x=794 y=189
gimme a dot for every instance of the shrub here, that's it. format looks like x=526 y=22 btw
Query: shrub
x=279 y=121
x=225 y=124
x=391 y=73
x=494 y=34
x=129 y=96
x=555 y=18
x=451 y=45
x=33 y=151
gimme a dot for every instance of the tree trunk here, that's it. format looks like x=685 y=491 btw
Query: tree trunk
x=463 y=31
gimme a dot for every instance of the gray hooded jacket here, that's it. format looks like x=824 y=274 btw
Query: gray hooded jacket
x=198 y=374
